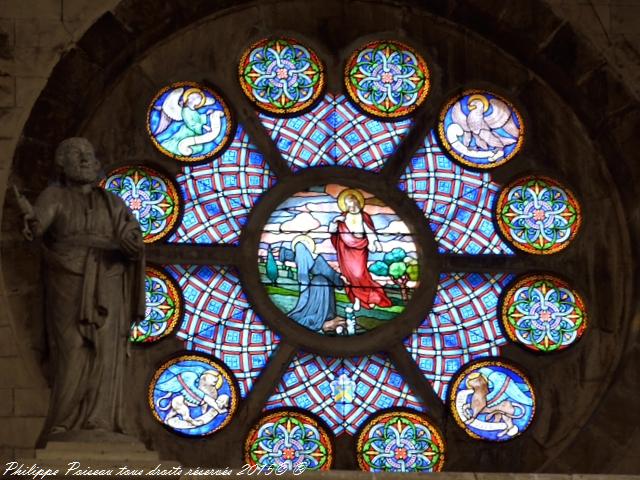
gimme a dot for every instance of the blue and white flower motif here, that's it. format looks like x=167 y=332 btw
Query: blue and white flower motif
x=281 y=75
x=343 y=389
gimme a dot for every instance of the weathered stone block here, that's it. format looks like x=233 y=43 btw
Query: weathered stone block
x=52 y=120
x=20 y=453
x=42 y=33
x=13 y=373
x=4 y=317
x=20 y=432
x=31 y=61
x=73 y=77
x=105 y=40
x=28 y=89
x=11 y=120
x=7 y=342
x=7 y=38
x=624 y=18
x=571 y=54
x=518 y=27
x=31 y=402
x=78 y=15
x=33 y=159
x=7 y=91
x=6 y=402
x=22 y=9
x=612 y=94
x=6 y=454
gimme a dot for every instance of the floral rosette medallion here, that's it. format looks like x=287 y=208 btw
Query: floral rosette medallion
x=538 y=215
x=543 y=313
x=481 y=129
x=163 y=308
x=281 y=76
x=387 y=79
x=151 y=197
x=491 y=400
x=289 y=440
x=193 y=395
x=189 y=122
x=400 y=441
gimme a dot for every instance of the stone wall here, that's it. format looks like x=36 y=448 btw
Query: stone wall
x=593 y=43
x=33 y=36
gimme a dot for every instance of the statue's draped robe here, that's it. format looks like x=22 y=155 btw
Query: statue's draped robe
x=353 y=252
x=93 y=293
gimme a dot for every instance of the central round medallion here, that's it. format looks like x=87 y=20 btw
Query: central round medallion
x=337 y=260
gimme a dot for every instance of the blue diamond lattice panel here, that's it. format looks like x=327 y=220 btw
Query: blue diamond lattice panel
x=463 y=325
x=219 y=321
x=342 y=391
x=457 y=202
x=335 y=133
x=220 y=194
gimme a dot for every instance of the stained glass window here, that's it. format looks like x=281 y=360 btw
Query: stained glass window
x=189 y=122
x=334 y=132
x=353 y=267
x=387 y=78
x=463 y=325
x=289 y=440
x=400 y=441
x=489 y=390
x=219 y=195
x=151 y=196
x=543 y=313
x=219 y=321
x=480 y=129
x=342 y=391
x=193 y=395
x=538 y=215
x=457 y=202
x=281 y=75
x=163 y=307
x=334 y=238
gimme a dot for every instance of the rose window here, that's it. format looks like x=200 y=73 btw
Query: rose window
x=345 y=257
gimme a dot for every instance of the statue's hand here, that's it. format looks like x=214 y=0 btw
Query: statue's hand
x=132 y=244
x=25 y=206
x=28 y=214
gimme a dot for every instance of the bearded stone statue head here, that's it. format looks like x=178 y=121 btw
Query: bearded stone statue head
x=76 y=159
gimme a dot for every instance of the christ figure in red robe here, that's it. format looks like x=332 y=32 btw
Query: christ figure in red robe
x=354 y=235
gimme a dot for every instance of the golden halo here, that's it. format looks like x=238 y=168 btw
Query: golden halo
x=473 y=376
x=190 y=91
x=306 y=240
x=350 y=192
x=482 y=98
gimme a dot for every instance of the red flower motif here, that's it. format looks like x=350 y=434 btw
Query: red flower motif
x=539 y=215
x=288 y=453
x=135 y=204
x=401 y=453
x=387 y=77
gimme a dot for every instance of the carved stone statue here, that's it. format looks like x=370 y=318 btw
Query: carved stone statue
x=94 y=284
